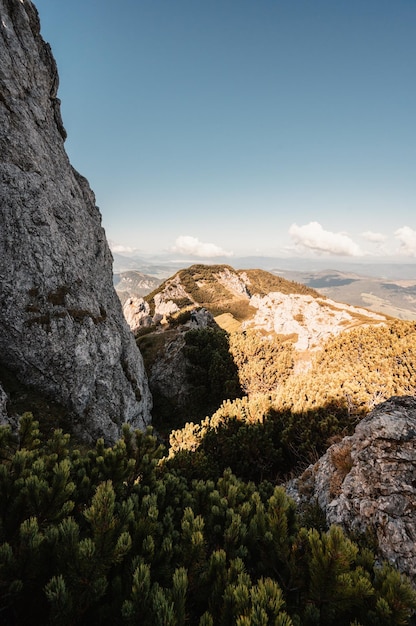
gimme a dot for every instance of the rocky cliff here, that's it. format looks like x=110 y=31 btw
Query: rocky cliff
x=61 y=324
x=367 y=482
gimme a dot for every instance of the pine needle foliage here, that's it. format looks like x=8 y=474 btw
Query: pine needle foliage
x=112 y=535
x=257 y=440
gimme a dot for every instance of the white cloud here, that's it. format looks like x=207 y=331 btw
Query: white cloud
x=118 y=248
x=186 y=244
x=373 y=237
x=407 y=238
x=313 y=237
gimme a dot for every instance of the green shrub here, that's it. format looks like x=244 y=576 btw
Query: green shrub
x=111 y=536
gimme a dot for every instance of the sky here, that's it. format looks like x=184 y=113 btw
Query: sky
x=221 y=128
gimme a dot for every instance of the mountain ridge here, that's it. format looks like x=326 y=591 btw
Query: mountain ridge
x=278 y=332
x=383 y=288
x=249 y=299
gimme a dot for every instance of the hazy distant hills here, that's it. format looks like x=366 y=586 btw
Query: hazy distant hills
x=134 y=283
x=396 y=298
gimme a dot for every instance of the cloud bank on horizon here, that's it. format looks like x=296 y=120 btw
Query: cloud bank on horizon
x=312 y=237
x=308 y=239
x=407 y=239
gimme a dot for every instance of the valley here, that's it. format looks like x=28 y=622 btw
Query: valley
x=392 y=297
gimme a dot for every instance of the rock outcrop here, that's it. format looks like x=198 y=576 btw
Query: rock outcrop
x=312 y=319
x=137 y=313
x=367 y=482
x=3 y=406
x=168 y=374
x=168 y=378
x=61 y=324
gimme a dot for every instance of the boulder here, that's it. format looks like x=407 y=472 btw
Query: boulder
x=367 y=482
x=137 y=313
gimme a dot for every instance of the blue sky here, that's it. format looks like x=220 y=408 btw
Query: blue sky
x=243 y=127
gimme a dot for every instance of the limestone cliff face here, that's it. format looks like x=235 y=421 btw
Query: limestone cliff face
x=368 y=481
x=61 y=323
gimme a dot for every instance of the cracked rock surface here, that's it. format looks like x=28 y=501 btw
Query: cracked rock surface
x=367 y=482
x=61 y=324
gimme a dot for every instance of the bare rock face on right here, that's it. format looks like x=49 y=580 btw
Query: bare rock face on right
x=368 y=481
x=62 y=331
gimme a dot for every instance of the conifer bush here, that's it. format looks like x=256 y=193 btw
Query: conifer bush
x=263 y=363
x=114 y=535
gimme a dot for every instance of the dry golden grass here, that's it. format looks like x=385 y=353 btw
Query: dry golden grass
x=240 y=309
x=227 y=322
x=342 y=462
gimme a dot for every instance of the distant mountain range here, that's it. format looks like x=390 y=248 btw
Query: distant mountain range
x=386 y=288
x=396 y=298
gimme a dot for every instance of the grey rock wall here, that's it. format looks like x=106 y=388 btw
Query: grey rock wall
x=61 y=324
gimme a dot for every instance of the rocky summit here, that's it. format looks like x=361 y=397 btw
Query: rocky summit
x=367 y=483
x=62 y=330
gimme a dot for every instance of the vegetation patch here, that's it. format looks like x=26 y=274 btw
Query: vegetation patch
x=151 y=344
x=181 y=303
x=263 y=283
x=112 y=535
x=57 y=297
x=240 y=309
x=227 y=322
x=342 y=462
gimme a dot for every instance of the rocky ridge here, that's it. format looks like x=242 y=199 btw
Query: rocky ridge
x=237 y=301
x=366 y=483
x=61 y=325
x=255 y=299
